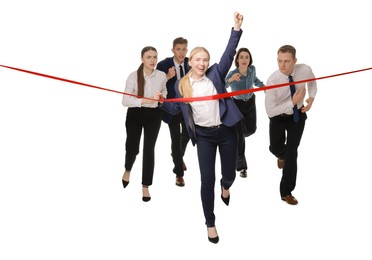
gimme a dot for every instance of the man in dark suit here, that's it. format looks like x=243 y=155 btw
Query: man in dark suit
x=176 y=67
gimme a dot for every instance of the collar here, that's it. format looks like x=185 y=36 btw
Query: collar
x=149 y=76
x=204 y=78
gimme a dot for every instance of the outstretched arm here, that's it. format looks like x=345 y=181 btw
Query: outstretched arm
x=228 y=56
x=238 y=19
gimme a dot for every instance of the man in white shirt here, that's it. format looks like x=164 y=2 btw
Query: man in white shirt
x=287 y=113
x=176 y=67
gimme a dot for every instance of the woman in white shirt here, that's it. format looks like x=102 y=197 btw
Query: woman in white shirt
x=210 y=123
x=143 y=114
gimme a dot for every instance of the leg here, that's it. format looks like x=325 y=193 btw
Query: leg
x=176 y=145
x=245 y=128
x=250 y=127
x=241 y=163
x=277 y=137
x=184 y=136
x=151 y=131
x=206 y=149
x=250 y=115
x=227 y=147
x=294 y=135
x=134 y=130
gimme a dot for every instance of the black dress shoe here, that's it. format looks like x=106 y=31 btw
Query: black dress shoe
x=125 y=183
x=214 y=240
x=243 y=173
x=225 y=200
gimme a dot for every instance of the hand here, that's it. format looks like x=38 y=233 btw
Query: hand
x=171 y=73
x=299 y=95
x=309 y=102
x=147 y=101
x=159 y=97
x=238 y=19
x=235 y=77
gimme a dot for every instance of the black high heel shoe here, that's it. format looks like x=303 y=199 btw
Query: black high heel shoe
x=125 y=183
x=145 y=198
x=214 y=240
x=225 y=200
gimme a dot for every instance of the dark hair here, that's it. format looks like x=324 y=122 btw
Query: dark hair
x=237 y=56
x=140 y=77
x=289 y=49
x=179 y=40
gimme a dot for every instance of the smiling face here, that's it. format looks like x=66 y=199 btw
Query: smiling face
x=199 y=62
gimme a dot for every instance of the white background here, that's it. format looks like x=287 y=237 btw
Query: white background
x=62 y=145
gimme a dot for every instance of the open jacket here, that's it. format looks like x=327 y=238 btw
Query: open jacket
x=229 y=112
x=164 y=65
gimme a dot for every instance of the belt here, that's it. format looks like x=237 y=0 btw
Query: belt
x=213 y=126
x=282 y=116
x=286 y=115
x=244 y=99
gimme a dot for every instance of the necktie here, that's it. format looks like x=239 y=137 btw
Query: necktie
x=181 y=71
x=296 y=116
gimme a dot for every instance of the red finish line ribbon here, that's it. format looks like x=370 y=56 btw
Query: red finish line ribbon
x=213 y=97
x=62 y=79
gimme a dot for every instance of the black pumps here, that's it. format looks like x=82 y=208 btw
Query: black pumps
x=125 y=183
x=225 y=200
x=145 y=198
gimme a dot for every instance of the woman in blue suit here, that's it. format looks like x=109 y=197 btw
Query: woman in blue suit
x=211 y=123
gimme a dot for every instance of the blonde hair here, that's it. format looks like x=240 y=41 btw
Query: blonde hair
x=184 y=86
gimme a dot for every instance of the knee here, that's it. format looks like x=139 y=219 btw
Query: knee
x=250 y=131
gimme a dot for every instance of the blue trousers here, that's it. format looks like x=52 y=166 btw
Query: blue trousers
x=208 y=140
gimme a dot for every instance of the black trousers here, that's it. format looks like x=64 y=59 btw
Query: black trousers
x=285 y=137
x=246 y=127
x=148 y=119
x=179 y=140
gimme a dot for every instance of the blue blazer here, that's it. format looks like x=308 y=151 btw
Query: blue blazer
x=229 y=112
x=164 y=66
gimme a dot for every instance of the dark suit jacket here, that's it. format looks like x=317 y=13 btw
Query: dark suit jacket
x=164 y=66
x=229 y=112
